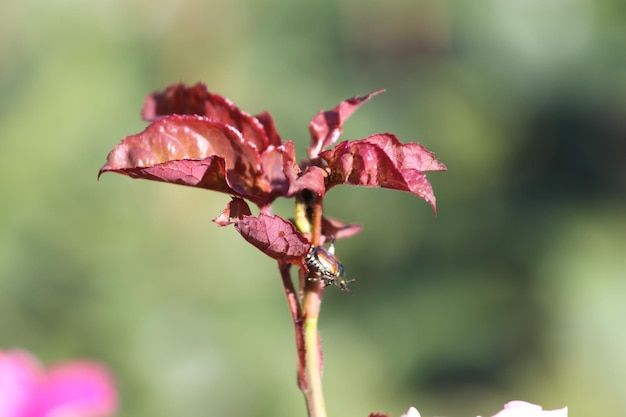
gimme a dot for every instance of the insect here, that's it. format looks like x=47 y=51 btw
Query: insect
x=326 y=266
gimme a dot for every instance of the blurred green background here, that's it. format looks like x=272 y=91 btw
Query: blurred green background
x=516 y=290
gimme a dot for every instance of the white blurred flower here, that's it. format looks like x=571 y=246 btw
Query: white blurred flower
x=513 y=409
x=412 y=413
x=525 y=409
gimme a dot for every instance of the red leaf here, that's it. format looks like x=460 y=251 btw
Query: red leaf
x=411 y=155
x=382 y=160
x=283 y=172
x=327 y=126
x=176 y=99
x=270 y=128
x=336 y=229
x=235 y=209
x=279 y=165
x=179 y=99
x=195 y=151
x=312 y=179
x=274 y=236
x=206 y=173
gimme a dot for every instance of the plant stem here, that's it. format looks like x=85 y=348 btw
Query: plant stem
x=313 y=357
x=311 y=304
x=308 y=345
x=306 y=314
x=296 y=314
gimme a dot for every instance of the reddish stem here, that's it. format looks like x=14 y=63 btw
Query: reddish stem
x=296 y=315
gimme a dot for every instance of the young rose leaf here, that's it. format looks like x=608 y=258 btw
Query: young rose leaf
x=180 y=99
x=195 y=151
x=312 y=179
x=283 y=173
x=336 y=229
x=235 y=209
x=280 y=167
x=267 y=121
x=176 y=99
x=383 y=161
x=274 y=236
x=209 y=173
x=326 y=126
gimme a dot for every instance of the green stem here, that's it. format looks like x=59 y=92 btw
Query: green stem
x=313 y=369
x=311 y=304
x=309 y=220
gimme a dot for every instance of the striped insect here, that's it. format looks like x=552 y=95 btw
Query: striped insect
x=326 y=266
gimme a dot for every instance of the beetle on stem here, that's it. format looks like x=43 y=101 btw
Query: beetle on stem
x=327 y=267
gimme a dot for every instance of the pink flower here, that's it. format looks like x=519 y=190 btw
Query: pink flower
x=71 y=389
x=524 y=409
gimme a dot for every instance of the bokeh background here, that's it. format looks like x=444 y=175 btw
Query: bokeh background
x=516 y=290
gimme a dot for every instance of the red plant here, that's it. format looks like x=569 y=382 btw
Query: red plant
x=200 y=139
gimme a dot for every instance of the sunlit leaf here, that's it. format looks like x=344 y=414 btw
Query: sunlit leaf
x=235 y=209
x=279 y=165
x=336 y=229
x=312 y=179
x=383 y=161
x=180 y=99
x=326 y=126
x=274 y=236
x=195 y=151
x=270 y=128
